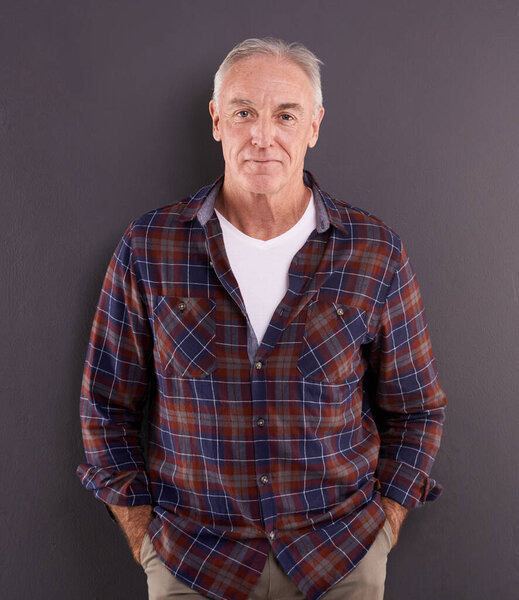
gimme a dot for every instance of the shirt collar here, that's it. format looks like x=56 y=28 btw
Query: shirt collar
x=201 y=205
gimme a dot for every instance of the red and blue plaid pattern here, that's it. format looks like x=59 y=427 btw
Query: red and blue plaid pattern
x=287 y=445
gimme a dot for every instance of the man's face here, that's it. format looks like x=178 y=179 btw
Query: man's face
x=265 y=121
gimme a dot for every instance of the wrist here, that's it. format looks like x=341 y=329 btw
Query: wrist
x=395 y=514
x=134 y=521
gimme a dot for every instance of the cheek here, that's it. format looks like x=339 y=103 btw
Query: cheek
x=294 y=145
x=233 y=142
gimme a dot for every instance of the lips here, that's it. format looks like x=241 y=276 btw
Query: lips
x=262 y=161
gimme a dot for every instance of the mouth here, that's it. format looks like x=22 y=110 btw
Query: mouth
x=262 y=161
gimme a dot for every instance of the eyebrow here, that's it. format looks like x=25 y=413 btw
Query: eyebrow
x=291 y=105
x=283 y=106
x=240 y=101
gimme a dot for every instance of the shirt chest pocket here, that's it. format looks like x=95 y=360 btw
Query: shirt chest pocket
x=331 y=342
x=185 y=335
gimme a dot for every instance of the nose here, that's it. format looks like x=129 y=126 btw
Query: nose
x=262 y=132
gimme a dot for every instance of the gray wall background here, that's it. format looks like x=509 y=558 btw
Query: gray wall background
x=103 y=116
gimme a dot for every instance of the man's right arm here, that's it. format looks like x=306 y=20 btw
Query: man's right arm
x=113 y=391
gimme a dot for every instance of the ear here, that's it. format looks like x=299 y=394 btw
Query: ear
x=316 y=123
x=216 y=121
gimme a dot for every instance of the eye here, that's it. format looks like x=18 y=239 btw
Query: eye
x=287 y=117
x=243 y=113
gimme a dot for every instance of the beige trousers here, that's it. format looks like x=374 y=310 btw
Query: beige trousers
x=365 y=582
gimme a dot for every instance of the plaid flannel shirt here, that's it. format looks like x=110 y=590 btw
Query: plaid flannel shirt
x=285 y=445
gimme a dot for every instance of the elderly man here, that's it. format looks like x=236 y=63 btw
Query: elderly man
x=260 y=404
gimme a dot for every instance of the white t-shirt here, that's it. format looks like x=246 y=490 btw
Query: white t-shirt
x=261 y=267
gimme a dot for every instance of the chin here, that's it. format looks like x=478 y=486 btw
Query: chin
x=262 y=183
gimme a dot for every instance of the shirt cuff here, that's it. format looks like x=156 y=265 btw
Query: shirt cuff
x=122 y=488
x=406 y=485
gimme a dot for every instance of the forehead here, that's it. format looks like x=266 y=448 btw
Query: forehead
x=260 y=76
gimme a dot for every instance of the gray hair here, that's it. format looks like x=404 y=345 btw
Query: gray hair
x=294 y=52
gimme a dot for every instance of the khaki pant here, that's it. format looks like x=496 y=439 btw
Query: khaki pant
x=365 y=582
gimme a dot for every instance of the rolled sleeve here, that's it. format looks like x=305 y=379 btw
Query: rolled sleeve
x=406 y=485
x=409 y=400
x=114 y=387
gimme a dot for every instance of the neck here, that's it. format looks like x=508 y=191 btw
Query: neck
x=262 y=216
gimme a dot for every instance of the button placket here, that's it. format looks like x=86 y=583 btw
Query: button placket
x=262 y=449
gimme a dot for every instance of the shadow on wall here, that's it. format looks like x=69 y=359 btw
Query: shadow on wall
x=197 y=157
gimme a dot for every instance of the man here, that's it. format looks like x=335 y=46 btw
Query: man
x=294 y=410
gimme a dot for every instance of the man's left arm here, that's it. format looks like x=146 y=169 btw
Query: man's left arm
x=410 y=403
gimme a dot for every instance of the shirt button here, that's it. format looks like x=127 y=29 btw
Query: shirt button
x=272 y=535
x=264 y=479
x=260 y=422
x=210 y=263
x=340 y=311
x=258 y=365
x=181 y=306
